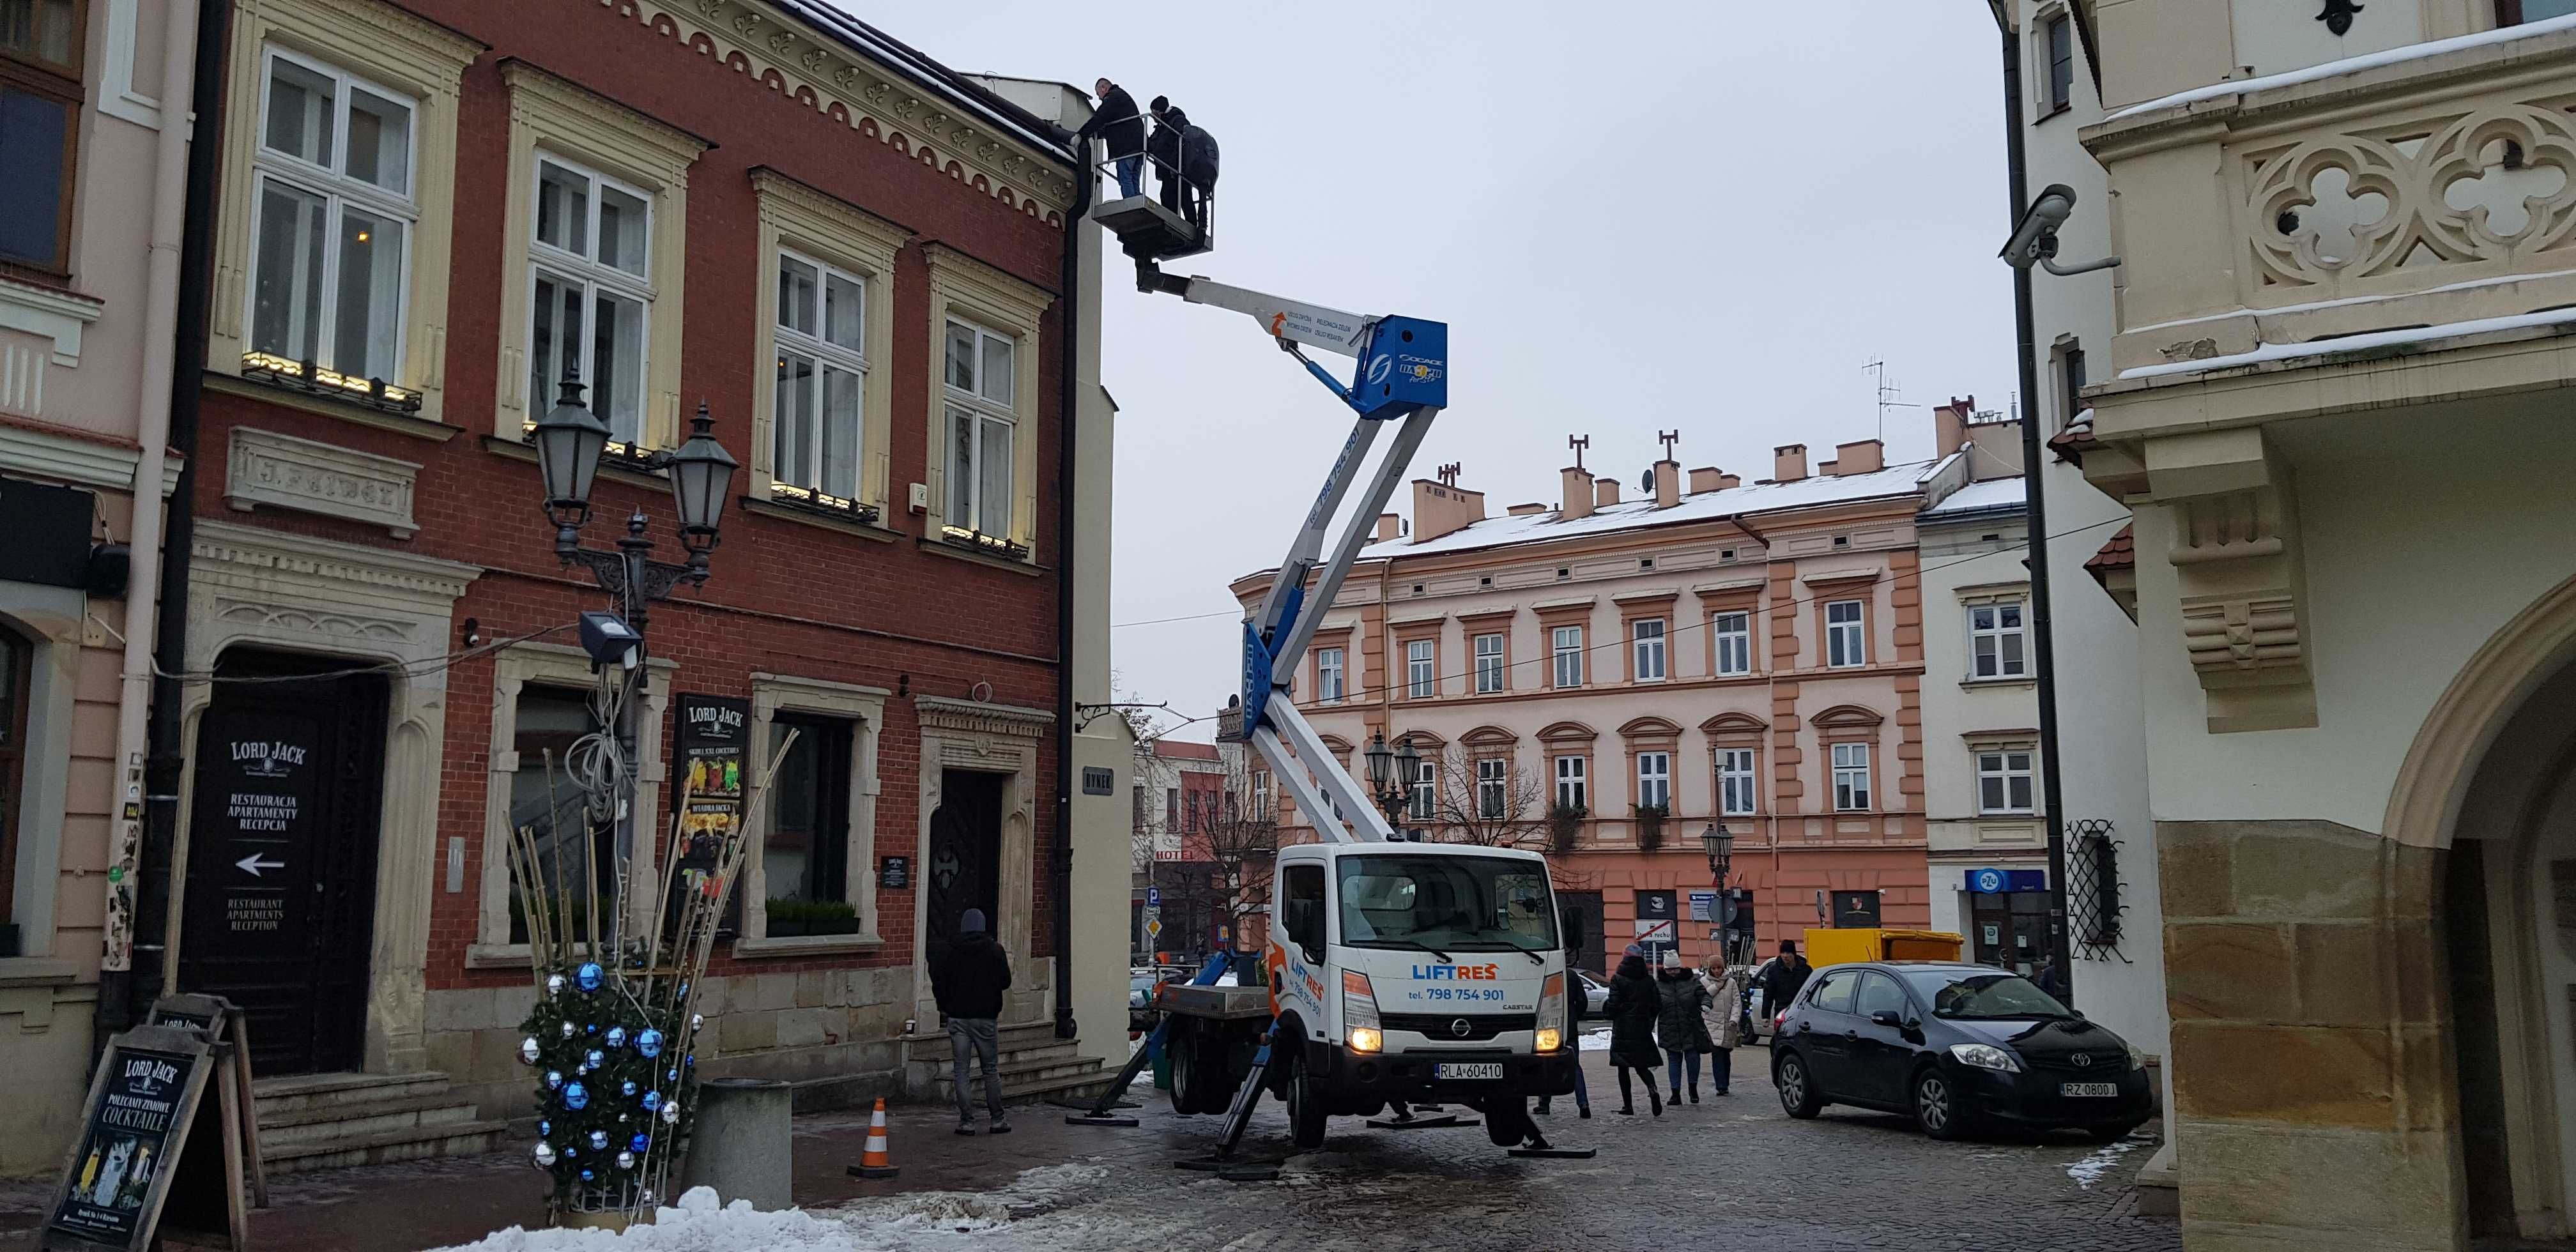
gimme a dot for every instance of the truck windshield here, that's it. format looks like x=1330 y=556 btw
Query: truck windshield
x=1974 y=996
x=1453 y=903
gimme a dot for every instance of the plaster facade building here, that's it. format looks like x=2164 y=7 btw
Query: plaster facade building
x=1603 y=680
x=2333 y=380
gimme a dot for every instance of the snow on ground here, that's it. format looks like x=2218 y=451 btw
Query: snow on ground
x=2091 y=1169
x=697 y=1223
x=1594 y=1040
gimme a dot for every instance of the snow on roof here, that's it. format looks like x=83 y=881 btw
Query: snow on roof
x=926 y=71
x=1994 y=493
x=2352 y=65
x=1495 y=532
x=2400 y=338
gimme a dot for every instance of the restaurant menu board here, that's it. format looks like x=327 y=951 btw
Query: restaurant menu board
x=713 y=733
x=142 y=1105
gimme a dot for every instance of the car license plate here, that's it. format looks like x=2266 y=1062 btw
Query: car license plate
x=2088 y=1089
x=1467 y=1069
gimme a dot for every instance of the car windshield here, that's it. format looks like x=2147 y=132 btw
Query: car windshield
x=1983 y=995
x=1448 y=903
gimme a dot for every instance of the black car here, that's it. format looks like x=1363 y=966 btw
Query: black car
x=1958 y=1047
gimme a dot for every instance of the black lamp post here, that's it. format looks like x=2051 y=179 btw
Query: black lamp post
x=1393 y=774
x=1720 y=845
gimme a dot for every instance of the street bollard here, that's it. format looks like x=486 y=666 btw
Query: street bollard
x=744 y=1143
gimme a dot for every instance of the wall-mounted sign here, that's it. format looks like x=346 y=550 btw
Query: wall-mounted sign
x=712 y=732
x=1703 y=906
x=894 y=872
x=2001 y=881
x=1097 y=781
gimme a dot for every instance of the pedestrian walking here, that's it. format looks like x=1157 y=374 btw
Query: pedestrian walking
x=1117 y=124
x=1724 y=1016
x=1786 y=978
x=1632 y=1010
x=968 y=983
x=2051 y=977
x=1680 y=1025
x=1198 y=172
x=1164 y=148
x=1575 y=1007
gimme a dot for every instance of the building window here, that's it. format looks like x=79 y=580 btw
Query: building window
x=332 y=219
x=1655 y=780
x=1328 y=675
x=1735 y=781
x=1733 y=633
x=1493 y=786
x=1489 y=665
x=2003 y=781
x=1171 y=810
x=1424 y=796
x=14 y=681
x=1647 y=645
x=1570 y=793
x=1851 y=777
x=545 y=725
x=40 y=103
x=822 y=368
x=1567 y=642
x=2516 y=12
x=981 y=422
x=1261 y=811
x=1139 y=797
x=806 y=853
x=2070 y=379
x=1995 y=641
x=1421 y=669
x=2060 y=32
x=1846 y=639
x=591 y=258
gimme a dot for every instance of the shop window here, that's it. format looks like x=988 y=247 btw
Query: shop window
x=544 y=802
x=805 y=852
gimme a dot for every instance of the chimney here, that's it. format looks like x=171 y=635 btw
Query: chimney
x=1950 y=425
x=1605 y=492
x=1726 y=481
x=1578 y=492
x=1440 y=508
x=1668 y=484
x=1705 y=478
x=1865 y=457
x=1789 y=462
x=1388 y=527
x=1525 y=510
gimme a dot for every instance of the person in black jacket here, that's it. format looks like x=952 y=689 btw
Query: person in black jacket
x=1198 y=172
x=968 y=982
x=1632 y=1010
x=1117 y=124
x=1786 y=977
x=1164 y=146
x=1679 y=1025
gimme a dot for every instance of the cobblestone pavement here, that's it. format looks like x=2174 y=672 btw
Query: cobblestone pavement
x=1732 y=1172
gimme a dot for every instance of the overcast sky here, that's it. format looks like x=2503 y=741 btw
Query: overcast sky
x=1705 y=217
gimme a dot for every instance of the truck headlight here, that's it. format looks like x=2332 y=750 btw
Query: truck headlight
x=1359 y=1013
x=1986 y=1056
x=1549 y=1039
x=1551 y=1014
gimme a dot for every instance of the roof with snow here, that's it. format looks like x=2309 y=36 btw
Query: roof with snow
x=1992 y=495
x=1805 y=493
x=926 y=72
x=2351 y=65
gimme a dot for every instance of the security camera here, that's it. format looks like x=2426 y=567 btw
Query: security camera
x=2034 y=238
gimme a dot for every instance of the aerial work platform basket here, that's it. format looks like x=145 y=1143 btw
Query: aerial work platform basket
x=1146 y=227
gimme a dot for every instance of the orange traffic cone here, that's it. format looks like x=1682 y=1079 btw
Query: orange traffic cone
x=873 y=1162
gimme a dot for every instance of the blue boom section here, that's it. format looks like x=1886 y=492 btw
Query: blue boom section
x=1406 y=367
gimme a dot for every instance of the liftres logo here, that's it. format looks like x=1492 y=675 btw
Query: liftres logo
x=1445 y=973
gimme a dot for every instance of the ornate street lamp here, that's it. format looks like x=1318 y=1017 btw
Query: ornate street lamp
x=1392 y=774
x=1720 y=844
x=701 y=475
x=569 y=440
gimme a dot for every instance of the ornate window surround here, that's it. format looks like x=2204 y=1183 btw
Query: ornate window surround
x=798 y=218
x=772 y=694
x=996 y=739
x=982 y=294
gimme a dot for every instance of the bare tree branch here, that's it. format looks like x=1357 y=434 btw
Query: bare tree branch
x=1489 y=812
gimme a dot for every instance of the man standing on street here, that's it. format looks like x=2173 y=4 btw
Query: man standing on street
x=1786 y=977
x=968 y=983
x=1118 y=125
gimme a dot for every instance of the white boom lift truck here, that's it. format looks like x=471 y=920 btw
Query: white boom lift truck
x=1396 y=971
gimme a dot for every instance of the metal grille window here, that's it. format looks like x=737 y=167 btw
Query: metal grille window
x=822 y=373
x=1570 y=791
x=591 y=258
x=1654 y=779
x=1648 y=639
x=1733 y=633
x=1567 y=643
x=1846 y=639
x=1421 y=666
x=1489 y=664
x=1492 y=786
x=1997 y=644
x=1328 y=675
x=980 y=381
x=1735 y=781
x=1851 y=776
x=332 y=218
x=2093 y=904
x=2003 y=781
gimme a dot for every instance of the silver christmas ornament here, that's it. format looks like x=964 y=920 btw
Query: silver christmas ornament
x=528 y=1050
x=554 y=984
x=599 y=1141
x=625 y=1160
x=671 y=1112
x=545 y=1154
x=554 y=1079
x=567 y=1030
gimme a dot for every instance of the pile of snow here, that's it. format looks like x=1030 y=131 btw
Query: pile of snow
x=1594 y=1040
x=700 y=1223
x=2090 y=1170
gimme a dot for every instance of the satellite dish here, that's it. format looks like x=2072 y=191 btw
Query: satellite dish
x=1646 y=481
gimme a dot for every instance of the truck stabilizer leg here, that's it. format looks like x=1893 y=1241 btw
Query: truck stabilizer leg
x=1104 y=1111
x=1238 y=1118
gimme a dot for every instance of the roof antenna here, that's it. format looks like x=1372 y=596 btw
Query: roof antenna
x=1887 y=396
x=1578 y=443
x=1448 y=474
x=1668 y=438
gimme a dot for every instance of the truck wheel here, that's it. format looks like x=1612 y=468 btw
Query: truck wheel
x=1305 y=1111
x=1181 y=1044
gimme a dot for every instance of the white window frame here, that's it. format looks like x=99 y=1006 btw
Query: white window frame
x=1986 y=642
x=1851 y=777
x=1646 y=649
x=1573 y=789
x=1423 y=799
x=1421 y=669
x=1733 y=632
x=1493 y=786
x=1565 y=653
x=1736 y=780
x=826 y=356
x=2002 y=766
x=955 y=402
x=340 y=192
x=1331 y=679
x=1846 y=642
x=546 y=260
x=1655 y=780
x=1491 y=674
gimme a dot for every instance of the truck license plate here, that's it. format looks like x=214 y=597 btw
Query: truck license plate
x=2087 y=1089
x=1467 y=1069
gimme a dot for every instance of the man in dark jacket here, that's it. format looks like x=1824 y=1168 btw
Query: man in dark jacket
x=1198 y=171
x=1786 y=977
x=968 y=982
x=1164 y=146
x=1117 y=124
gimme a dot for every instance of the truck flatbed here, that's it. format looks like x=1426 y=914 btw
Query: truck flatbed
x=1217 y=1003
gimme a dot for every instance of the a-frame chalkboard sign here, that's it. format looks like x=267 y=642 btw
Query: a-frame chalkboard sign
x=156 y=1156
x=218 y=1018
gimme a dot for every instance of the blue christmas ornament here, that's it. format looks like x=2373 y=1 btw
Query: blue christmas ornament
x=628 y=1089
x=575 y=1096
x=649 y=1043
x=588 y=976
x=570 y=1152
x=673 y=1076
x=586 y=1175
x=638 y=1143
x=593 y=1058
x=590 y=1029
x=599 y=1141
x=652 y=1101
x=616 y=1037
x=545 y=1129
x=691 y=1060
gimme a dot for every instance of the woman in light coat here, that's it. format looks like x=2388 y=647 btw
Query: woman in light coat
x=1724 y=1009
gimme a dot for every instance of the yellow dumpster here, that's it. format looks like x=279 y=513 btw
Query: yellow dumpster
x=1841 y=947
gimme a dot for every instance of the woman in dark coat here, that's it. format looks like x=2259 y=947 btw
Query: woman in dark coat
x=1679 y=1026
x=1632 y=1009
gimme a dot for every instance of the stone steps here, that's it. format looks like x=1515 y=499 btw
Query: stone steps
x=1077 y=1079
x=325 y=1121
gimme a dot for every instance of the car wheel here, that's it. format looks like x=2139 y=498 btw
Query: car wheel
x=2112 y=1133
x=1798 y=1095
x=1305 y=1113
x=1937 y=1110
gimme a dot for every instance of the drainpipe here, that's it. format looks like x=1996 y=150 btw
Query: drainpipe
x=2043 y=647
x=176 y=282
x=1067 y=401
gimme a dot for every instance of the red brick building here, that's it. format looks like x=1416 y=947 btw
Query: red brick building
x=858 y=261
